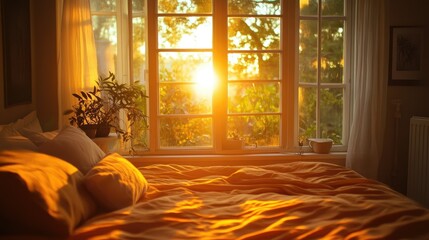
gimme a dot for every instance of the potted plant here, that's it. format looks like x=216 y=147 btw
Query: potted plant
x=103 y=105
x=130 y=99
x=86 y=112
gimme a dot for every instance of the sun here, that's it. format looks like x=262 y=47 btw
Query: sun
x=204 y=79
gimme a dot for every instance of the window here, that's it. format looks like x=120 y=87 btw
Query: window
x=185 y=74
x=323 y=89
x=121 y=42
x=229 y=75
x=112 y=37
x=255 y=77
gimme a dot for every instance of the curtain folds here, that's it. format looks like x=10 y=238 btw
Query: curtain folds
x=370 y=87
x=77 y=59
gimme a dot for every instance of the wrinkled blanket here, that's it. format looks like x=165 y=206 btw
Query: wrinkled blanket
x=299 y=200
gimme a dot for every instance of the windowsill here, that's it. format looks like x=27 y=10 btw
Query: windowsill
x=238 y=159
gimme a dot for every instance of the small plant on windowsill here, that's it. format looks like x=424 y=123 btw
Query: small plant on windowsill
x=86 y=113
x=129 y=98
x=104 y=104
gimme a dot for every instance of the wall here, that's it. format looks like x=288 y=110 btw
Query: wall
x=45 y=62
x=413 y=100
x=44 y=68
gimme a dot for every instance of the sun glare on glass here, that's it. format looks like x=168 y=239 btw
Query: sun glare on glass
x=204 y=79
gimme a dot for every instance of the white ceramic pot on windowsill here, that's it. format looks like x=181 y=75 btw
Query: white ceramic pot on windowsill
x=320 y=145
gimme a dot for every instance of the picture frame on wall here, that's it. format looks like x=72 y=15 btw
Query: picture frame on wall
x=406 y=55
x=15 y=31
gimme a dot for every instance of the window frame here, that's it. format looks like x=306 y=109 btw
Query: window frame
x=122 y=65
x=347 y=82
x=221 y=65
x=290 y=19
x=159 y=116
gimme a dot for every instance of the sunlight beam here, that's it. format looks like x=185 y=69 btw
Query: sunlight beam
x=205 y=80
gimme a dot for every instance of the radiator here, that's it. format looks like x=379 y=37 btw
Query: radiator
x=418 y=161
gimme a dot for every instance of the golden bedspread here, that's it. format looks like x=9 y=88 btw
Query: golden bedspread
x=284 y=201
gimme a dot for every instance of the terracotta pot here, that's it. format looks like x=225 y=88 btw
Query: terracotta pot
x=89 y=129
x=103 y=130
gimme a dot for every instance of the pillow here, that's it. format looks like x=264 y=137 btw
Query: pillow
x=28 y=141
x=72 y=145
x=41 y=195
x=37 y=138
x=30 y=121
x=17 y=143
x=115 y=183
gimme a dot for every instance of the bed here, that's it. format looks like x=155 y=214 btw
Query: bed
x=69 y=189
x=283 y=201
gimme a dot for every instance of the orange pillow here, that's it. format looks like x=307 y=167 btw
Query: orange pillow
x=41 y=195
x=115 y=183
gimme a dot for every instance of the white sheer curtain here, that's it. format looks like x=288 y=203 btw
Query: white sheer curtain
x=370 y=86
x=77 y=59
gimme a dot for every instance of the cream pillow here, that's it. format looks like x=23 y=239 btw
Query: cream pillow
x=38 y=138
x=30 y=121
x=115 y=183
x=28 y=141
x=17 y=143
x=41 y=195
x=72 y=145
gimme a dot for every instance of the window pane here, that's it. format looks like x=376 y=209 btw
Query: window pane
x=141 y=136
x=308 y=7
x=269 y=7
x=139 y=49
x=184 y=67
x=185 y=32
x=307 y=112
x=256 y=131
x=183 y=99
x=105 y=36
x=253 y=33
x=333 y=7
x=331 y=114
x=195 y=69
x=332 y=59
x=254 y=66
x=308 y=51
x=138 y=6
x=253 y=97
x=186 y=132
x=97 y=5
x=184 y=6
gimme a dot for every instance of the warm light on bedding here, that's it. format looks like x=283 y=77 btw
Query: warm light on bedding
x=44 y=197
x=284 y=201
x=41 y=195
